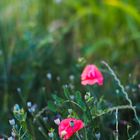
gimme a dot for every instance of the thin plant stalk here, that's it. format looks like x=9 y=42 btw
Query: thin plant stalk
x=78 y=136
x=117 y=131
x=123 y=90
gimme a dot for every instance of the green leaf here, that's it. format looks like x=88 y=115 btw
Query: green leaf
x=57 y=99
x=66 y=92
x=80 y=101
x=52 y=106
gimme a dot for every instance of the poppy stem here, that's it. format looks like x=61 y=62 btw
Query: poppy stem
x=85 y=134
x=78 y=136
x=89 y=113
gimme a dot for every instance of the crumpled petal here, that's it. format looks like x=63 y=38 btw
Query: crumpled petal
x=91 y=75
x=69 y=127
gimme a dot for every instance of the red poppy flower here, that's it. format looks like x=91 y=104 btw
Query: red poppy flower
x=68 y=127
x=91 y=75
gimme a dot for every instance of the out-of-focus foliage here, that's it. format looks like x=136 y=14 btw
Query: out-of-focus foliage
x=44 y=39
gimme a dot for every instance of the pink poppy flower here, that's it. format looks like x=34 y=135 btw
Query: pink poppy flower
x=68 y=127
x=91 y=75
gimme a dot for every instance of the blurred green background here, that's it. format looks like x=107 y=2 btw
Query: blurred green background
x=43 y=37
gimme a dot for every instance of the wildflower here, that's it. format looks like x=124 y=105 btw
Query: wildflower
x=87 y=95
x=71 y=77
x=11 y=138
x=40 y=128
x=12 y=122
x=72 y=97
x=91 y=75
x=117 y=91
x=49 y=76
x=33 y=108
x=69 y=127
x=45 y=119
x=134 y=90
x=58 y=78
x=19 y=90
x=65 y=86
x=29 y=104
x=13 y=134
x=71 y=86
x=16 y=108
x=98 y=135
x=57 y=121
x=50 y=134
x=70 y=110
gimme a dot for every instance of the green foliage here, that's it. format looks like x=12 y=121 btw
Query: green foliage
x=95 y=113
x=20 y=130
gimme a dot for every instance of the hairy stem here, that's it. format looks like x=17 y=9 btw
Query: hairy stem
x=117 y=131
x=121 y=107
x=123 y=90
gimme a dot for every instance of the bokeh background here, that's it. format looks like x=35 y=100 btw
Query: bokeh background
x=47 y=39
